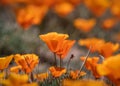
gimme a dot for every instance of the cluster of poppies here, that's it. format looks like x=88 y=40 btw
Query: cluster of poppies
x=33 y=11
x=18 y=75
x=22 y=74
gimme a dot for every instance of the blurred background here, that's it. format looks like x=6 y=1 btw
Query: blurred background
x=22 y=21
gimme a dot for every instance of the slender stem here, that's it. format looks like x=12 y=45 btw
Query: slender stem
x=60 y=62
x=55 y=60
x=84 y=61
x=68 y=64
x=69 y=61
x=32 y=76
x=6 y=73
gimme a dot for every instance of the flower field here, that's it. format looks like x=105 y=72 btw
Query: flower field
x=59 y=43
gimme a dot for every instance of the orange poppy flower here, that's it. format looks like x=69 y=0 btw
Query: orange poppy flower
x=74 y=74
x=42 y=76
x=69 y=82
x=111 y=68
x=17 y=80
x=15 y=69
x=63 y=9
x=4 y=61
x=108 y=49
x=91 y=64
x=65 y=47
x=30 y=15
x=84 y=24
x=108 y=23
x=57 y=71
x=53 y=40
x=115 y=8
x=94 y=43
x=94 y=5
x=27 y=61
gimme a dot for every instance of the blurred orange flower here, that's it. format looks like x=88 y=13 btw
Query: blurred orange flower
x=94 y=43
x=63 y=9
x=94 y=5
x=84 y=24
x=111 y=68
x=108 y=23
x=30 y=15
x=17 y=80
x=15 y=69
x=5 y=61
x=42 y=76
x=115 y=8
x=108 y=49
x=68 y=82
x=75 y=74
x=91 y=64
x=53 y=40
x=57 y=71
x=27 y=61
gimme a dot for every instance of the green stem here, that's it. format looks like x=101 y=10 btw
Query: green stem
x=32 y=76
x=69 y=61
x=84 y=61
x=60 y=62
x=55 y=60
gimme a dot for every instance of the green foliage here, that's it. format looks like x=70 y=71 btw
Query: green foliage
x=15 y=40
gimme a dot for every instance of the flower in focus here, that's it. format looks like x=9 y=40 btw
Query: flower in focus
x=91 y=64
x=27 y=61
x=53 y=40
x=68 y=82
x=41 y=77
x=94 y=43
x=57 y=43
x=65 y=47
x=4 y=61
x=111 y=68
x=57 y=71
x=16 y=69
x=75 y=74
x=108 y=49
x=84 y=24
